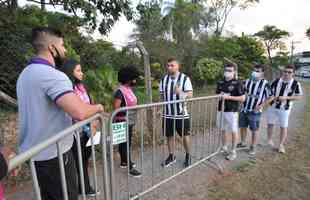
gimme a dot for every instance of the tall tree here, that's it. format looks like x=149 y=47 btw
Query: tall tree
x=272 y=37
x=308 y=33
x=221 y=9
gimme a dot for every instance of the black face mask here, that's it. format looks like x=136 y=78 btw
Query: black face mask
x=59 y=61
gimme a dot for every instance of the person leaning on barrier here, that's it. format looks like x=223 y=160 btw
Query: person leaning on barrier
x=46 y=105
x=285 y=90
x=125 y=97
x=232 y=92
x=176 y=86
x=258 y=94
x=74 y=71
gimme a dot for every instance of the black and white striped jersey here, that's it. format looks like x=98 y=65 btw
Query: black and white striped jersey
x=167 y=89
x=256 y=93
x=279 y=87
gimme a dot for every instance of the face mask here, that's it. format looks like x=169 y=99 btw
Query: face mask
x=256 y=75
x=59 y=61
x=229 y=75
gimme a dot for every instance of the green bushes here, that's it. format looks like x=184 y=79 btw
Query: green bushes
x=207 y=70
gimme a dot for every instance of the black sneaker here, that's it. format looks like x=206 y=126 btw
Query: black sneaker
x=241 y=145
x=91 y=192
x=188 y=161
x=135 y=173
x=124 y=165
x=169 y=161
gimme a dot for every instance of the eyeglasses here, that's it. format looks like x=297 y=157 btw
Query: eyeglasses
x=287 y=72
x=170 y=65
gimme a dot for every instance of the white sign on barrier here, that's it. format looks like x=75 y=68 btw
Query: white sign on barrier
x=119 y=132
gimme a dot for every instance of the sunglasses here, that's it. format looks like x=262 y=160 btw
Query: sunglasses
x=287 y=72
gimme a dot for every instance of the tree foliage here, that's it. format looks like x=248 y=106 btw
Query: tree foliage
x=308 y=32
x=221 y=9
x=110 y=10
x=271 y=37
x=207 y=70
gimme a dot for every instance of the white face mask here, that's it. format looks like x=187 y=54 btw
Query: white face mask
x=229 y=75
x=256 y=75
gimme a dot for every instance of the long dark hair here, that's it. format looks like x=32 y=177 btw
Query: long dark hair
x=68 y=69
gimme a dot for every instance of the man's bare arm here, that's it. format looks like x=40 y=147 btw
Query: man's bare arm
x=76 y=108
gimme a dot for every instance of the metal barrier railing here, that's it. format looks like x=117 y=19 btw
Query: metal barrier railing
x=150 y=144
x=149 y=152
x=28 y=155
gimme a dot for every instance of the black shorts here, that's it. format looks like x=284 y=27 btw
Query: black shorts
x=181 y=126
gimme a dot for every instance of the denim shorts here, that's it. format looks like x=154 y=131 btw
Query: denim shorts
x=250 y=119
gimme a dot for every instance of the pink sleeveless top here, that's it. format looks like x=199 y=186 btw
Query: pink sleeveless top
x=130 y=100
x=81 y=92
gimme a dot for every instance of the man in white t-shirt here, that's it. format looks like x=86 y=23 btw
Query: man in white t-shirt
x=285 y=90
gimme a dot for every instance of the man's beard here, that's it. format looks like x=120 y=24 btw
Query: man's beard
x=59 y=60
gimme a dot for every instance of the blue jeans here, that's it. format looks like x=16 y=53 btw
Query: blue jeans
x=250 y=119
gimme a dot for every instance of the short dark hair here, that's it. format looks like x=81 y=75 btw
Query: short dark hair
x=260 y=66
x=231 y=65
x=172 y=59
x=290 y=66
x=39 y=37
x=127 y=74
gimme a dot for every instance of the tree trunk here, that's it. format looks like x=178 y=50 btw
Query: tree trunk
x=43 y=5
x=268 y=71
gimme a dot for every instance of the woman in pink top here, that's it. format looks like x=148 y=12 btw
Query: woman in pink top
x=74 y=71
x=125 y=97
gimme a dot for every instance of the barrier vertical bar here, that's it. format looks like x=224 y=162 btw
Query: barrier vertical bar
x=93 y=153
x=128 y=151
x=82 y=175
x=35 y=180
x=105 y=129
x=62 y=172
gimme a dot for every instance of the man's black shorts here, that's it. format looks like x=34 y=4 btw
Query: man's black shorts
x=181 y=126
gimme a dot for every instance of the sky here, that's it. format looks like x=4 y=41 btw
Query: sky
x=290 y=15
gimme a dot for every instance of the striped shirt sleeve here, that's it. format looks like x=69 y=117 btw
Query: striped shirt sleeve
x=298 y=91
x=161 y=86
x=188 y=85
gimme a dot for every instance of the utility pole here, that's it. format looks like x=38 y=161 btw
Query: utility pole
x=292 y=50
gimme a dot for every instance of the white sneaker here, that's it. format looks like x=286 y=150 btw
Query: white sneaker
x=252 y=151
x=281 y=149
x=232 y=156
x=270 y=143
x=224 y=150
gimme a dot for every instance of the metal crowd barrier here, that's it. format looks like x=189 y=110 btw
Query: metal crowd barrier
x=28 y=155
x=150 y=149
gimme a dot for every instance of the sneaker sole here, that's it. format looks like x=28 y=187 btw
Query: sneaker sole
x=137 y=176
x=125 y=167
x=165 y=166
